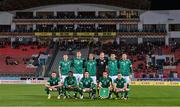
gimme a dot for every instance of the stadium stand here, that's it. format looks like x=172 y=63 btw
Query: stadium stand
x=150 y=38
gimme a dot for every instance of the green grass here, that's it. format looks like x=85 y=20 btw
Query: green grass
x=34 y=95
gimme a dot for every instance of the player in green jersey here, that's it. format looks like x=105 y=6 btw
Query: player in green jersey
x=120 y=86
x=106 y=82
x=78 y=66
x=113 y=67
x=91 y=67
x=53 y=84
x=86 y=85
x=64 y=67
x=70 y=84
x=126 y=68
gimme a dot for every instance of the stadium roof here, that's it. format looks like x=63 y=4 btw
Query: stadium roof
x=9 y=5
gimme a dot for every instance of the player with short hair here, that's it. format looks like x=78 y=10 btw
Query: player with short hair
x=64 y=67
x=86 y=85
x=53 y=84
x=120 y=86
x=70 y=84
x=106 y=82
x=113 y=67
x=126 y=69
x=78 y=66
x=91 y=67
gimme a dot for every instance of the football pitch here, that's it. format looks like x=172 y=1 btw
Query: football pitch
x=34 y=95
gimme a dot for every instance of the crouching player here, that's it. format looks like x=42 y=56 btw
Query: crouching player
x=70 y=84
x=120 y=86
x=53 y=84
x=105 y=83
x=86 y=85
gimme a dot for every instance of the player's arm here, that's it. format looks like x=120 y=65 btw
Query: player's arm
x=47 y=85
x=100 y=84
x=60 y=70
x=131 y=69
x=111 y=85
x=114 y=85
x=59 y=84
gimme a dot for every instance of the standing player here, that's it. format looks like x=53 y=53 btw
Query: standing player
x=64 y=67
x=101 y=65
x=126 y=69
x=78 y=64
x=113 y=67
x=70 y=84
x=120 y=86
x=86 y=85
x=106 y=82
x=53 y=84
x=91 y=67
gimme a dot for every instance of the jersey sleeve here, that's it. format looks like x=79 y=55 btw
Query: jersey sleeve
x=130 y=65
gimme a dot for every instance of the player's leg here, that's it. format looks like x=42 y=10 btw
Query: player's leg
x=59 y=90
x=66 y=92
x=126 y=91
x=93 y=93
x=98 y=75
x=128 y=87
x=75 y=90
x=81 y=93
x=48 y=92
x=110 y=93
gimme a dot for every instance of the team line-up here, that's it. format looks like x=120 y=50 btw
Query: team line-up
x=103 y=76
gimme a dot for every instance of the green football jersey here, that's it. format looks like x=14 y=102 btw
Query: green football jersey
x=78 y=65
x=70 y=81
x=120 y=82
x=125 y=67
x=65 y=67
x=86 y=82
x=113 y=67
x=53 y=81
x=105 y=82
x=91 y=67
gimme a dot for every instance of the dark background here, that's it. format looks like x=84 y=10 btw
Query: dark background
x=165 y=4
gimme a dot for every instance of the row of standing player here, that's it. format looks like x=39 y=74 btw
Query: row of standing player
x=96 y=67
